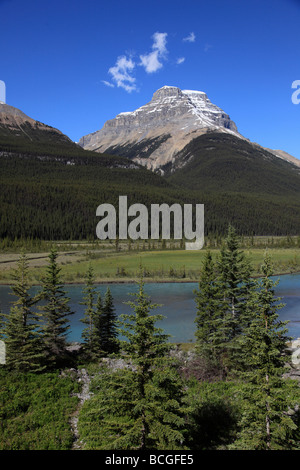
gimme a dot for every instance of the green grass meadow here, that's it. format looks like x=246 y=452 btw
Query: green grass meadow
x=161 y=265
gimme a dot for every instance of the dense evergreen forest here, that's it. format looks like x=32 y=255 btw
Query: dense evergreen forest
x=50 y=191
x=231 y=391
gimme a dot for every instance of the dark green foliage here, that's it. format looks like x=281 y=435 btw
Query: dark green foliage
x=249 y=187
x=19 y=328
x=51 y=191
x=157 y=404
x=100 y=335
x=240 y=315
x=267 y=423
x=138 y=408
x=118 y=417
x=234 y=282
x=214 y=414
x=222 y=303
x=56 y=197
x=107 y=325
x=106 y=418
x=35 y=410
x=146 y=342
x=89 y=297
x=224 y=163
x=98 y=322
x=209 y=310
x=55 y=312
x=147 y=404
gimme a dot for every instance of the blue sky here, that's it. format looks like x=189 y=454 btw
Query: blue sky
x=74 y=64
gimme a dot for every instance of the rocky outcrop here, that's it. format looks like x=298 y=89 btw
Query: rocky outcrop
x=84 y=380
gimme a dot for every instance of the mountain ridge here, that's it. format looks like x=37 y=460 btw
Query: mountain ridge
x=14 y=123
x=171 y=116
x=155 y=133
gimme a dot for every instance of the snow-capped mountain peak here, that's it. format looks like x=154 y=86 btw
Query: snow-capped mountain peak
x=169 y=118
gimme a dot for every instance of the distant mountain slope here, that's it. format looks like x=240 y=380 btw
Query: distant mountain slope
x=285 y=156
x=220 y=163
x=15 y=124
x=51 y=187
x=54 y=197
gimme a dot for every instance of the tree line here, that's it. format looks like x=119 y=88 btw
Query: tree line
x=147 y=405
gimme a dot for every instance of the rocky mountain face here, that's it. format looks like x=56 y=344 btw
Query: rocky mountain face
x=14 y=123
x=157 y=134
x=154 y=133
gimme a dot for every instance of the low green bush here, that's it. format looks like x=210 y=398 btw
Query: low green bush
x=35 y=411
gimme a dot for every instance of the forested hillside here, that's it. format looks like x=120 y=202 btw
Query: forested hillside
x=221 y=163
x=51 y=191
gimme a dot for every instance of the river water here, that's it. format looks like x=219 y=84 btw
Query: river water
x=178 y=305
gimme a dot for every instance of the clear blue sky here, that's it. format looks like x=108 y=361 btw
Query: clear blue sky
x=75 y=64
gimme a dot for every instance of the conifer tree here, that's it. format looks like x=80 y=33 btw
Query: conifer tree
x=19 y=328
x=209 y=311
x=233 y=273
x=266 y=422
x=98 y=327
x=140 y=406
x=89 y=301
x=108 y=328
x=235 y=284
x=100 y=335
x=55 y=312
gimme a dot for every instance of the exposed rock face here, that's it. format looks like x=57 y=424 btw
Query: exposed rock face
x=13 y=122
x=154 y=133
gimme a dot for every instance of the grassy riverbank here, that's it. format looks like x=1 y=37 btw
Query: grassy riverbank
x=122 y=263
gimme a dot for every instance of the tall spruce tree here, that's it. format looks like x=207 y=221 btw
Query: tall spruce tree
x=108 y=331
x=55 y=311
x=98 y=328
x=209 y=312
x=267 y=422
x=100 y=334
x=234 y=276
x=140 y=406
x=234 y=280
x=19 y=328
x=89 y=299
